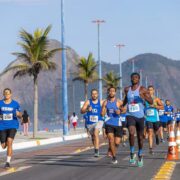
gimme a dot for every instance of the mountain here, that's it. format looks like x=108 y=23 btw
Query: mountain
x=162 y=72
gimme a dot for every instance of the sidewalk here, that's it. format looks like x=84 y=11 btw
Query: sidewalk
x=44 y=138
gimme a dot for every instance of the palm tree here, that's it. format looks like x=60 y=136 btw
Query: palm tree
x=34 y=59
x=87 y=72
x=112 y=80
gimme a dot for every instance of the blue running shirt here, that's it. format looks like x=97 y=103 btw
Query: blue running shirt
x=8 y=115
x=112 y=118
x=95 y=115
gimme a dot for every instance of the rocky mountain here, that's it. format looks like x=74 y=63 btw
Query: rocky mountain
x=162 y=72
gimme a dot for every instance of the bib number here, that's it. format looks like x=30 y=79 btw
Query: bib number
x=161 y=113
x=150 y=112
x=122 y=119
x=7 y=117
x=94 y=119
x=134 y=108
x=119 y=123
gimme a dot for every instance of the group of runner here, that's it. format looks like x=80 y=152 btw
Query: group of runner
x=141 y=112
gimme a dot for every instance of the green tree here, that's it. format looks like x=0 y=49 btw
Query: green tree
x=87 y=72
x=111 y=80
x=35 y=57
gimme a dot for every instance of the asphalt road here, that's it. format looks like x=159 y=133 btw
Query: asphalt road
x=73 y=161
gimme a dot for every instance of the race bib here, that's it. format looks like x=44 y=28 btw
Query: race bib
x=150 y=112
x=7 y=117
x=119 y=123
x=93 y=118
x=134 y=108
x=123 y=118
x=161 y=113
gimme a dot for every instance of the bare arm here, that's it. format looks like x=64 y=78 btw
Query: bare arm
x=119 y=105
x=18 y=114
x=125 y=97
x=103 y=111
x=85 y=106
x=160 y=105
x=144 y=93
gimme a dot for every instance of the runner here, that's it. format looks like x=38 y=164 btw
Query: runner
x=152 y=118
x=94 y=119
x=163 y=123
x=74 y=120
x=113 y=125
x=10 y=112
x=178 y=119
x=135 y=95
x=169 y=115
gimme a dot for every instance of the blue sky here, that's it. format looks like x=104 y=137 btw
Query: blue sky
x=142 y=25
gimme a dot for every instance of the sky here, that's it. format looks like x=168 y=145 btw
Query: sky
x=144 y=26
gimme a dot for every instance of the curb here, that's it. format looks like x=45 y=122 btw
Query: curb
x=35 y=143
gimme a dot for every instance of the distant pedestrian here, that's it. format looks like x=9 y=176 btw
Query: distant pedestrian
x=74 y=119
x=25 y=122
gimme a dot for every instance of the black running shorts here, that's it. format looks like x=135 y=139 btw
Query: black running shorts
x=8 y=133
x=137 y=122
x=152 y=125
x=163 y=124
x=116 y=130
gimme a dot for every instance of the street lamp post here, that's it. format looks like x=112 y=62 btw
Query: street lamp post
x=146 y=82
x=99 y=22
x=119 y=46
x=64 y=74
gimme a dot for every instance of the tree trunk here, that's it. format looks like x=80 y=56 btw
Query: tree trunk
x=85 y=90
x=35 y=107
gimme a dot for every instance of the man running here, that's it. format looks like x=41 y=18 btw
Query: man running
x=169 y=115
x=152 y=118
x=113 y=125
x=135 y=95
x=10 y=112
x=163 y=123
x=94 y=119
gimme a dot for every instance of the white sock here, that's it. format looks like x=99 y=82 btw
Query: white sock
x=8 y=159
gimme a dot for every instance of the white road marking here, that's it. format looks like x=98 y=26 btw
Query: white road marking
x=14 y=170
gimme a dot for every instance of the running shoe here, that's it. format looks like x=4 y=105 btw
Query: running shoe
x=151 y=151
x=7 y=165
x=140 y=162
x=132 y=159
x=114 y=161
x=96 y=154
